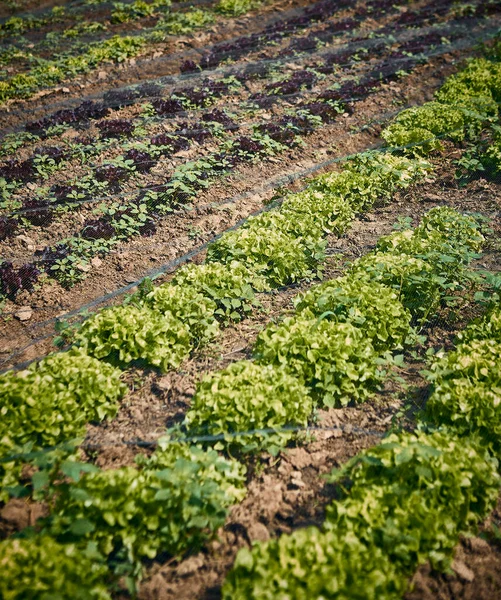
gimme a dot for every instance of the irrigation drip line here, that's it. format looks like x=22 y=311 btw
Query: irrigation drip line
x=174 y=79
x=194 y=439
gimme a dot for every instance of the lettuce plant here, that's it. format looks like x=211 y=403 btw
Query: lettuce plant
x=231 y=286
x=51 y=402
x=8 y=227
x=414 y=494
x=469 y=407
x=480 y=77
x=123 y=334
x=475 y=360
x=418 y=288
x=437 y=118
x=336 y=361
x=173 y=503
x=371 y=177
x=245 y=397
x=416 y=141
x=40 y=567
x=189 y=306
x=331 y=211
x=16 y=279
x=374 y=308
x=458 y=229
x=279 y=256
x=486 y=328
x=310 y=563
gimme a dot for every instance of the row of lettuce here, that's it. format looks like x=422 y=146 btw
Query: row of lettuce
x=404 y=502
x=408 y=500
x=326 y=354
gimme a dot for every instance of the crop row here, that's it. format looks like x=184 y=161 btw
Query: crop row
x=66 y=14
x=404 y=502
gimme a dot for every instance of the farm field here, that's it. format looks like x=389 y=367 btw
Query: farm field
x=250 y=314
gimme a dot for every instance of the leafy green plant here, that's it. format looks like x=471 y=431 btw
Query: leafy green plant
x=445 y=240
x=371 y=177
x=475 y=360
x=231 y=286
x=435 y=118
x=480 y=77
x=235 y=8
x=418 y=288
x=245 y=397
x=337 y=361
x=330 y=210
x=50 y=403
x=414 y=142
x=374 y=308
x=470 y=407
x=458 y=229
x=189 y=306
x=279 y=256
x=184 y=22
x=116 y=49
x=123 y=334
x=310 y=564
x=487 y=327
x=413 y=494
x=40 y=567
x=172 y=504
x=138 y=9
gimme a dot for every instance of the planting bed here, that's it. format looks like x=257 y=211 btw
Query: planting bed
x=241 y=244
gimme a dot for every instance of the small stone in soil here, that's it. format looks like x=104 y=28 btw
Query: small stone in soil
x=24 y=313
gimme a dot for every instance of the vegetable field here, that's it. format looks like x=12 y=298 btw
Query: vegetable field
x=250 y=300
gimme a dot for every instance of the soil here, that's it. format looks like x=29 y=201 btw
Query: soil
x=287 y=491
